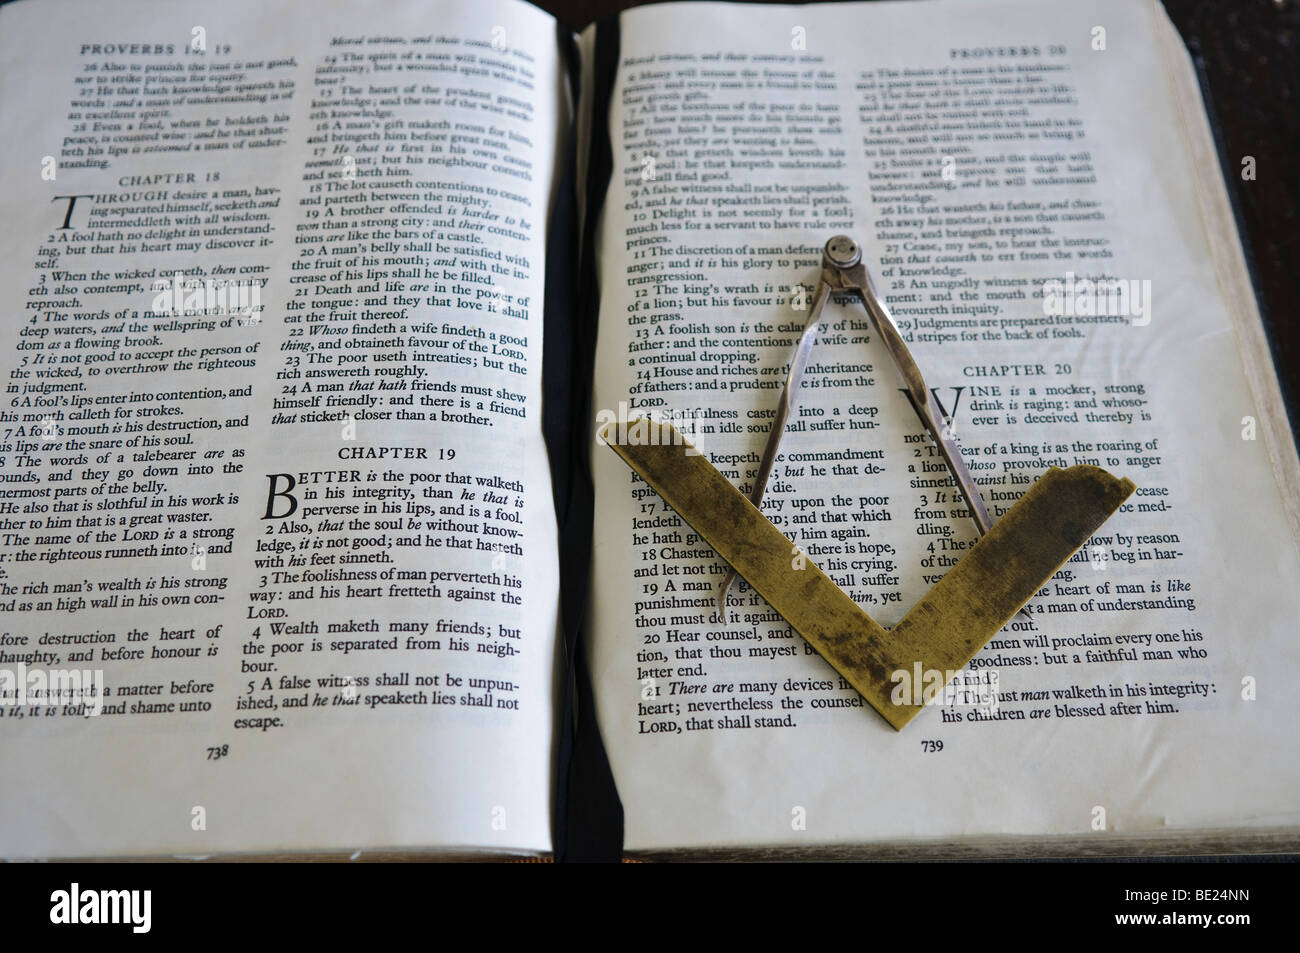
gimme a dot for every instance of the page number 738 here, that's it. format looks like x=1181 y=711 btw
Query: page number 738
x=929 y=747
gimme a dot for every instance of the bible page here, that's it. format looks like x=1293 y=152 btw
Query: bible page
x=1020 y=183
x=279 y=560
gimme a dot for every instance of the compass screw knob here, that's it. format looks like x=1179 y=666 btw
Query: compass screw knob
x=843 y=251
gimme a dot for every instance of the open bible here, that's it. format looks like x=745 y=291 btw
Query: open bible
x=314 y=313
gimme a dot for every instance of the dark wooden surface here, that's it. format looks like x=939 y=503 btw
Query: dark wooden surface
x=1249 y=51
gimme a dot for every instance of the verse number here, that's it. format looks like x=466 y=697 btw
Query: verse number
x=219 y=752
x=931 y=746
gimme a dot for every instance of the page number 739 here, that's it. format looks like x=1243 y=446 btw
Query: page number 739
x=929 y=747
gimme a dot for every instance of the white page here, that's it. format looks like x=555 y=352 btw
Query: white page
x=338 y=107
x=1223 y=755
